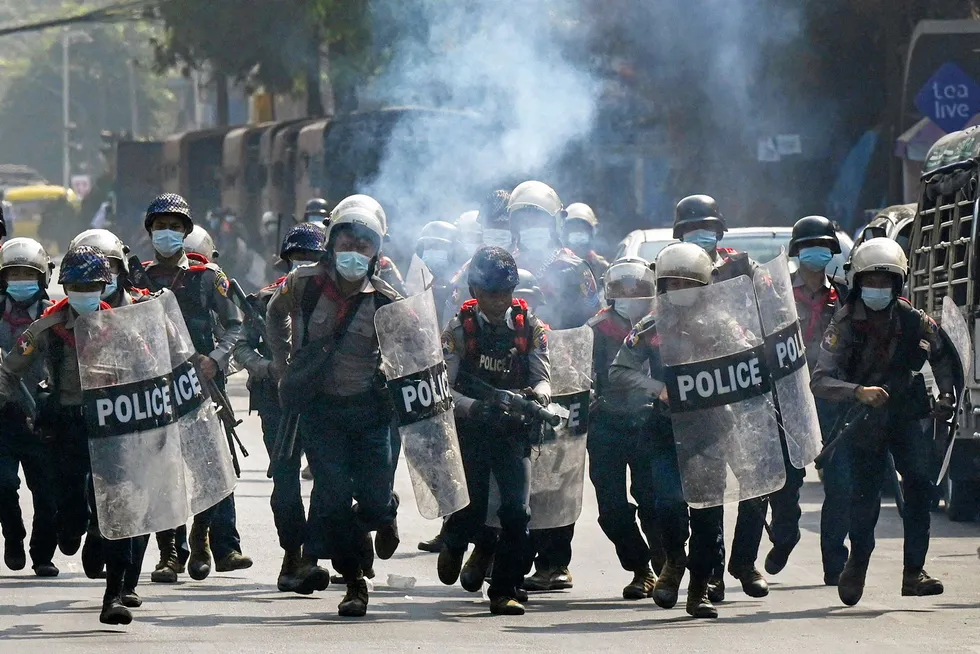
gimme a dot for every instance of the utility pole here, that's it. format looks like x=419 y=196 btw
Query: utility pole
x=67 y=38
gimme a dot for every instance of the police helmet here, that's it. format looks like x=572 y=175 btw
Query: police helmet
x=880 y=255
x=316 y=210
x=629 y=277
x=493 y=269
x=581 y=213
x=23 y=252
x=199 y=241
x=85 y=265
x=359 y=218
x=169 y=204
x=813 y=231
x=363 y=202
x=110 y=245
x=697 y=210
x=535 y=197
x=493 y=213
x=437 y=232
x=527 y=288
x=304 y=237
x=683 y=261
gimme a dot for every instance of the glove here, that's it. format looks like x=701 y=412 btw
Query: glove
x=485 y=411
x=540 y=398
x=944 y=407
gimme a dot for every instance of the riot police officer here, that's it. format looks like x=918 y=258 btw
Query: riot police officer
x=303 y=244
x=345 y=426
x=679 y=268
x=115 y=251
x=202 y=292
x=387 y=271
x=25 y=271
x=571 y=298
x=494 y=341
x=437 y=247
x=469 y=234
x=618 y=439
x=84 y=274
x=579 y=234
x=870 y=353
x=818 y=298
x=317 y=211
x=200 y=243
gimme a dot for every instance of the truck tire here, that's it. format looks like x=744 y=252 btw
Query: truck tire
x=961 y=500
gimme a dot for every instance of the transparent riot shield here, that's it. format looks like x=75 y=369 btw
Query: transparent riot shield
x=204 y=446
x=558 y=464
x=418 y=278
x=956 y=334
x=128 y=407
x=719 y=390
x=786 y=358
x=411 y=357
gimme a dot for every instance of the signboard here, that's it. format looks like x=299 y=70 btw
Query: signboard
x=950 y=98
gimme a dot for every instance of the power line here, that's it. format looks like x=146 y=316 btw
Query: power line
x=133 y=10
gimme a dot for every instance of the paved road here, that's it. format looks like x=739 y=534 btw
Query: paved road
x=242 y=612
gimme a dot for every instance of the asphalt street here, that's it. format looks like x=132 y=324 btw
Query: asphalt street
x=243 y=612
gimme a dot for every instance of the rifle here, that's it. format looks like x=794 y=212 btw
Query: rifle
x=227 y=416
x=241 y=299
x=846 y=427
x=285 y=443
x=28 y=399
x=137 y=273
x=515 y=404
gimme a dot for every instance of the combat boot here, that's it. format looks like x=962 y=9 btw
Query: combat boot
x=850 y=585
x=310 y=577
x=366 y=552
x=753 y=583
x=698 y=604
x=48 y=569
x=558 y=578
x=93 y=558
x=386 y=541
x=778 y=556
x=14 y=556
x=113 y=611
x=916 y=583
x=667 y=584
x=199 y=562
x=475 y=571
x=233 y=561
x=434 y=545
x=642 y=585
x=503 y=605
x=130 y=599
x=449 y=565
x=658 y=557
x=354 y=604
x=166 y=570
x=716 y=590
x=287 y=581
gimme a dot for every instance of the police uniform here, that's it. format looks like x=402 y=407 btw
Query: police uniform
x=619 y=438
x=202 y=292
x=388 y=273
x=859 y=349
x=597 y=264
x=19 y=446
x=51 y=339
x=346 y=424
x=510 y=356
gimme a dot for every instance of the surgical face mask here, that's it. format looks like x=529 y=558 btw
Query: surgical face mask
x=633 y=310
x=22 y=290
x=577 y=239
x=815 y=258
x=84 y=301
x=500 y=238
x=535 y=239
x=167 y=242
x=682 y=298
x=111 y=287
x=877 y=299
x=706 y=239
x=436 y=260
x=352 y=266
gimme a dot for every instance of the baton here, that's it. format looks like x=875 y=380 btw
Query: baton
x=29 y=403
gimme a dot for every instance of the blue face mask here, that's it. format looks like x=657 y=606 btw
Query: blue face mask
x=22 y=290
x=535 y=239
x=815 y=258
x=167 y=242
x=111 y=287
x=352 y=266
x=706 y=239
x=877 y=299
x=84 y=302
x=436 y=260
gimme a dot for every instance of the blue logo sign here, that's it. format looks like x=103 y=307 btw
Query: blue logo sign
x=950 y=98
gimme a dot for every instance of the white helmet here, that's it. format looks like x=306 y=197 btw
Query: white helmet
x=106 y=242
x=629 y=278
x=357 y=215
x=23 y=252
x=683 y=261
x=880 y=255
x=583 y=212
x=535 y=195
x=364 y=202
x=200 y=242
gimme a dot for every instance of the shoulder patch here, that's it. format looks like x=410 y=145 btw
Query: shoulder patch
x=448 y=342
x=26 y=343
x=831 y=337
x=539 y=337
x=221 y=283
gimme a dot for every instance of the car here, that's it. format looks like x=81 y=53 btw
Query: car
x=761 y=243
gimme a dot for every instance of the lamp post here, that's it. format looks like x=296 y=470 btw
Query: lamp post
x=67 y=38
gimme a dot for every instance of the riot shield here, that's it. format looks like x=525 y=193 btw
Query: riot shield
x=786 y=359
x=957 y=334
x=719 y=390
x=204 y=445
x=418 y=278
x=129 y=398
x=558 y=464
x=411 y=357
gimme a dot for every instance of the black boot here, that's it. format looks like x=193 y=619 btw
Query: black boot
x=668 y=583
x=166 y=570
x=386 y=541
x=14 y=556
x=130 y=599
x=287 y=582
x=449 y=564
x=113 y=611
x=777 y=557
x=698 y=604
x=642 y=585
x=916 y=583
x=310 y=577
x=850 y=585
x=355 y=602
x=753 y=583
x=93 y=559
x=716 y=589
x=434 y=545
x=475 y=571
x=199 y=562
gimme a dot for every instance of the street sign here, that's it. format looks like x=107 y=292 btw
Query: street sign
x=950 y=98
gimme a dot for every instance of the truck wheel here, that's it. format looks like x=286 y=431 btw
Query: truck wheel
x=961 y=500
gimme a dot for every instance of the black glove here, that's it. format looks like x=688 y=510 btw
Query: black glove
x=485 y=411
x=944 y=407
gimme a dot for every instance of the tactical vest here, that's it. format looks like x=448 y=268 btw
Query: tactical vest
x=903 y=358
x=609 y=336
x=193 y=297
x=495 y=356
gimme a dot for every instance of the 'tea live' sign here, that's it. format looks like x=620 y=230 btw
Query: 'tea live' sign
x=950 y=98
